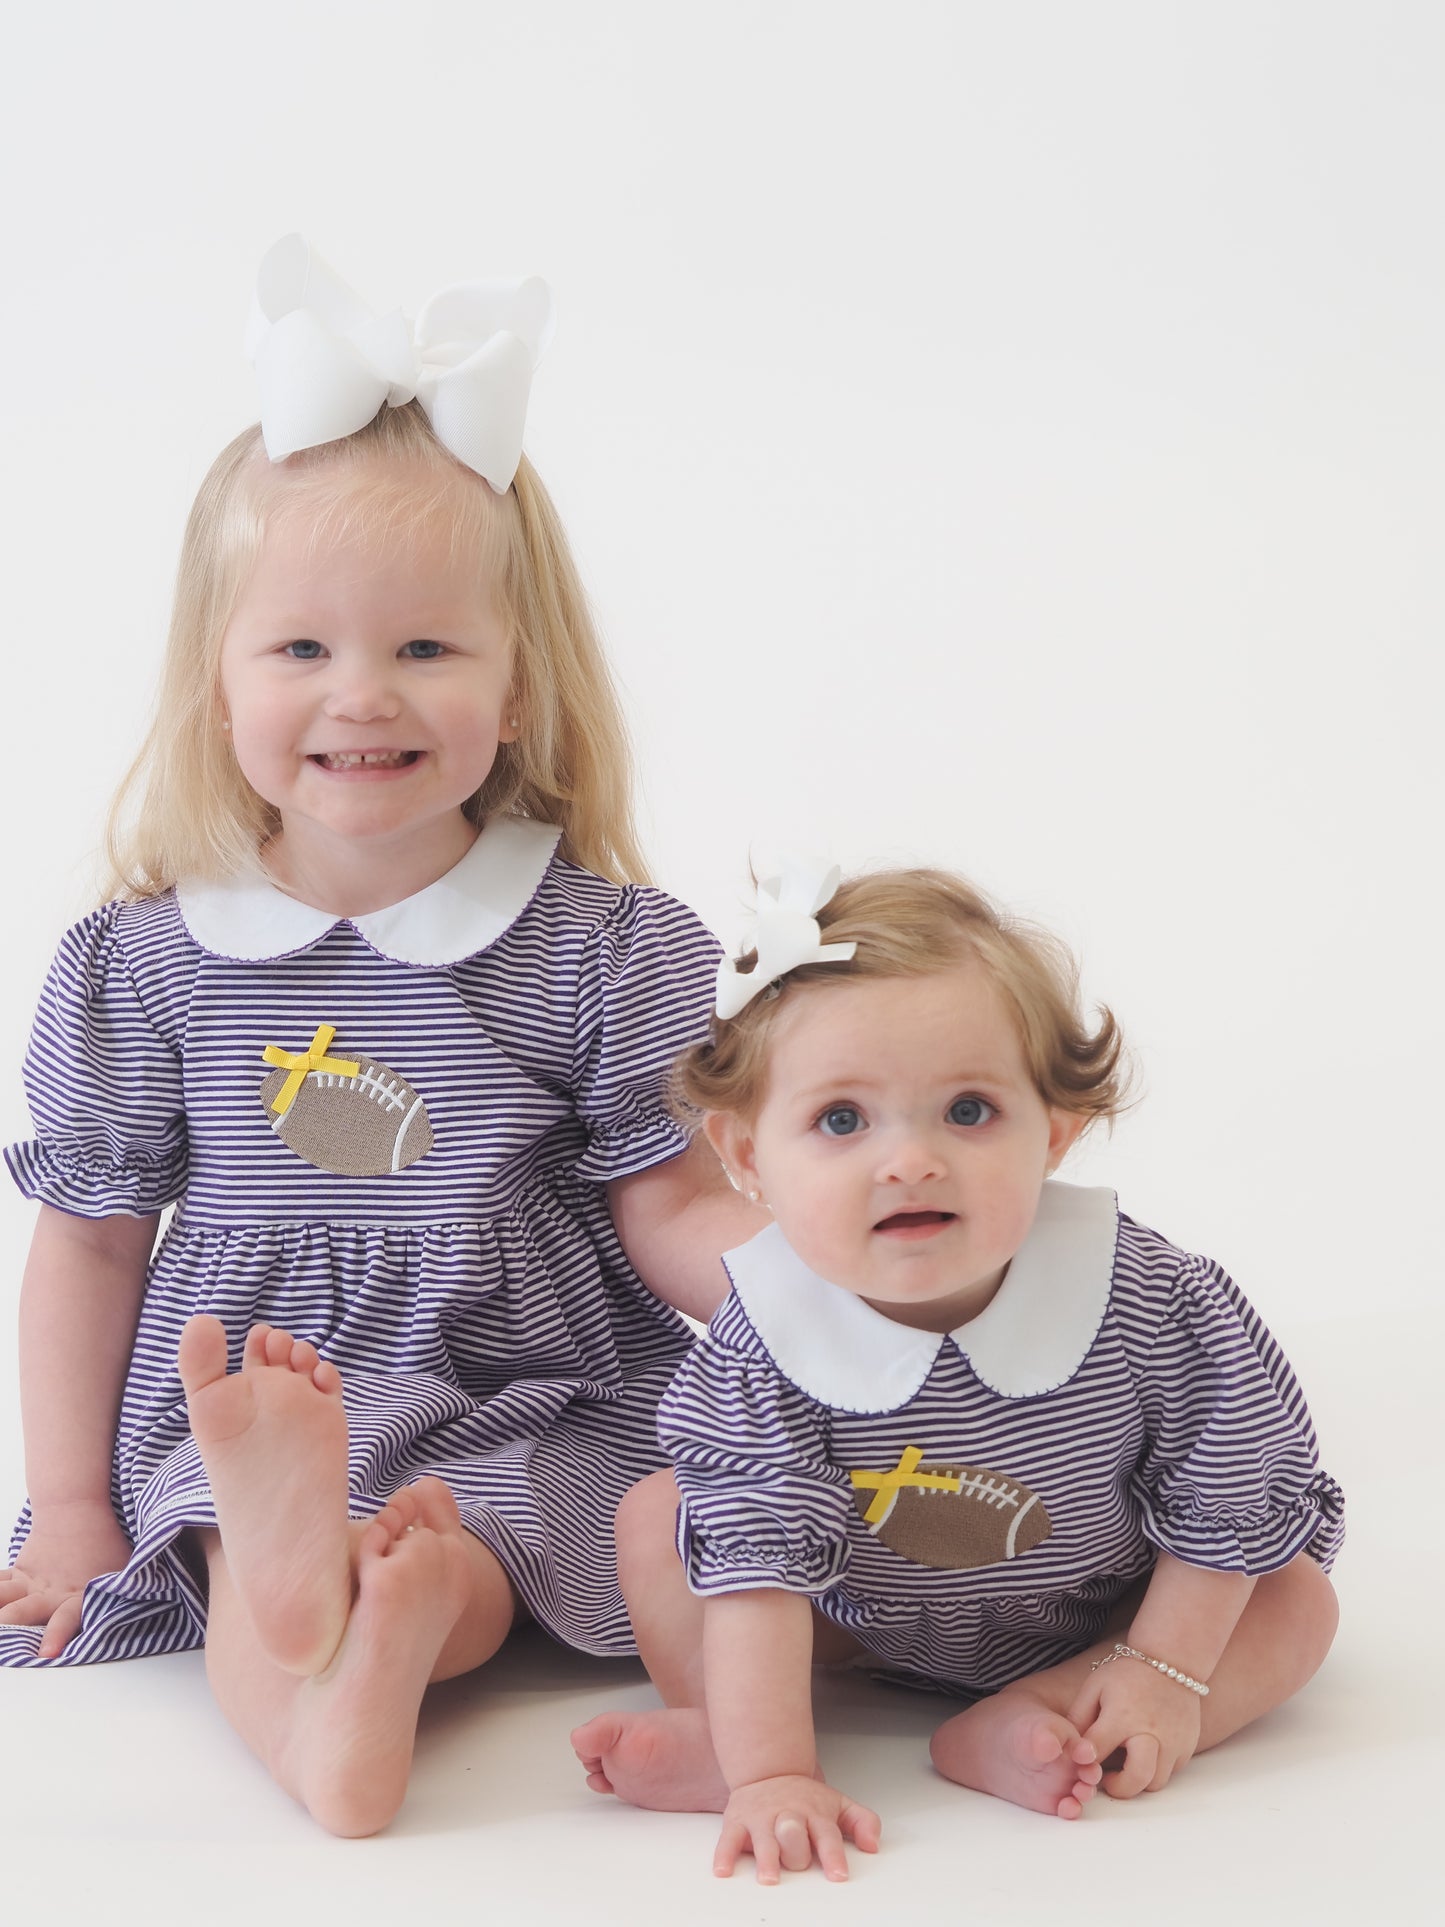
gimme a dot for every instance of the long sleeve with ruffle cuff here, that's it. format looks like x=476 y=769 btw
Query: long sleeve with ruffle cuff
x=645 y=995
x=104 y=1087
x=761 y=1505
x=1230 y=1477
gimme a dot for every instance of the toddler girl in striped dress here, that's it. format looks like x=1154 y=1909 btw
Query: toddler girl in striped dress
x=956 y=1421
x=379 y=1011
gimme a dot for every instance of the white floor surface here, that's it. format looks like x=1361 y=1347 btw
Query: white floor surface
x=124 y=1795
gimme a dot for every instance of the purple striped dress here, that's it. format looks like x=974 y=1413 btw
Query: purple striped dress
x=390 y=1135
x=972 y=1507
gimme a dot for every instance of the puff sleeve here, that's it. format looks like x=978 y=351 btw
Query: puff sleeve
x=761 y=1504
x=104 y=1087
x=1230 y=1476
x=646 y=991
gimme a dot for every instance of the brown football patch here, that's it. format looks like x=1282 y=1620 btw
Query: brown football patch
x=983 y=1520
x=355 y=1127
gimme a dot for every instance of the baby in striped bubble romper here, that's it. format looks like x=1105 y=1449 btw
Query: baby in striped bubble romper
x=956 y=1421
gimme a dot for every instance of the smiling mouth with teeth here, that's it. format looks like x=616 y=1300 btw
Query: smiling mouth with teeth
x=344 y=759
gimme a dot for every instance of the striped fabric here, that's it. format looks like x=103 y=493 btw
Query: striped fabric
x=1182 y=1427
x=485 y=1321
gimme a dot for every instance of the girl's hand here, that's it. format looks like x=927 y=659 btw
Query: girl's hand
x=789 y=1822
x=69 y=1545
x=1155 y=1719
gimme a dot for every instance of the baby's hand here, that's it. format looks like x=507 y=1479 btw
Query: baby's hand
x=790 y=1821
x=1156 y=1720
x=69 y=1545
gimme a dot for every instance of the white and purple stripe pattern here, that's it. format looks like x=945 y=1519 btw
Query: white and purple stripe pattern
x=1182 y=1428
x=486 y=1323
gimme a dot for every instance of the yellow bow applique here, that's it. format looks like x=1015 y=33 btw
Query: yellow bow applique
x=888 y=1483
x=313 y=1058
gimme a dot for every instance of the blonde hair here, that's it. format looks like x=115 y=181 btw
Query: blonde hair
x=915 y=923
x=185 y=810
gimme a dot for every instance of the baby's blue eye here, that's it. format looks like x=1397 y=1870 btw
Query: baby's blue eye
x=970 y=1110
x=840 y=1120
x=423 y=651
x=303 y=651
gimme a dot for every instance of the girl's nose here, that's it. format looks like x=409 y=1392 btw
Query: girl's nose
x=910 y=1157
x=362 y=696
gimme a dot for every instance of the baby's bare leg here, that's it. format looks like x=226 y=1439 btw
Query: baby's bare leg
x=661 y=1760
x=665 y=1760
x=430 y=1600
x=1280 y=1643
x=1281 y=1640
x=666 y=1615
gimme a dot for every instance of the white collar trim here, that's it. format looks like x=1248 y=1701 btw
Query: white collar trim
x=1032 y=1336
x=249 y=919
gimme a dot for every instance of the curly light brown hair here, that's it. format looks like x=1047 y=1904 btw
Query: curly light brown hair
x=914 y=923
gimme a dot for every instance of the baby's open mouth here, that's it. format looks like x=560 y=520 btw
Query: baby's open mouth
x=914 y=1220
x=367 y=758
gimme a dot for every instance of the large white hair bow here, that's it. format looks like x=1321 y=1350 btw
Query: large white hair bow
x=784 y=933
x=326 y=363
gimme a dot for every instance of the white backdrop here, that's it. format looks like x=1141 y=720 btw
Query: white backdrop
x=1004 y=436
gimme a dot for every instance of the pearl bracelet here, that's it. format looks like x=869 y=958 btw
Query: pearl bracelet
x=1160 y=1666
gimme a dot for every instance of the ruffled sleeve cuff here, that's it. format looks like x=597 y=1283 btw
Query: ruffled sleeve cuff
x=95 y=1190
x=633 y=1143
x=714 y=1566
x=1314 y=1522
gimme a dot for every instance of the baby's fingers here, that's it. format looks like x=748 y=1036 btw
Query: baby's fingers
x=30 y=1609
x=788 y=1845
x=14 y=1584
x=795 y=1842
x=63 y=1625
x=861 y=1825
x=1085 y=1709
x=738 y=1838
x=1141 y=1762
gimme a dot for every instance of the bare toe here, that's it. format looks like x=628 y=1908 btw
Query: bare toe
x=590 y=1743
x=265 y=1345
x=436 y=1505
x=660 y=1760
x=201 y=1355
x=1040 y=1744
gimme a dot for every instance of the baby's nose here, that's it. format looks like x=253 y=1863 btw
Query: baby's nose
x=911 y=1157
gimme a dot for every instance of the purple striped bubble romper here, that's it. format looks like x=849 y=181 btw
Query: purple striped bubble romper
x=972 y=1507
x=388 y=1134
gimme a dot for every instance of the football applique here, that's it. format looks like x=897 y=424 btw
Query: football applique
x=346 y=1114
x=952 y=1517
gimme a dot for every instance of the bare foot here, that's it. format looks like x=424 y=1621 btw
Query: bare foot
x=660 y=1760
x=1016 y=1747
x=273 y=1440
x=350 y=1751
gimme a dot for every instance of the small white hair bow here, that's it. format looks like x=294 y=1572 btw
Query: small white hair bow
x=785 y=934
x=326 y=363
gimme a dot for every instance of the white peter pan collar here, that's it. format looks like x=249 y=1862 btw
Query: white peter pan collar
x=1032 y=1336
x=249 y=919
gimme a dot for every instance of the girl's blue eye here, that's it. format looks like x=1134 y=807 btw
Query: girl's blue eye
x=303 y=650
x=970 y=1110
x=423 y=651
x=840 y=1120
